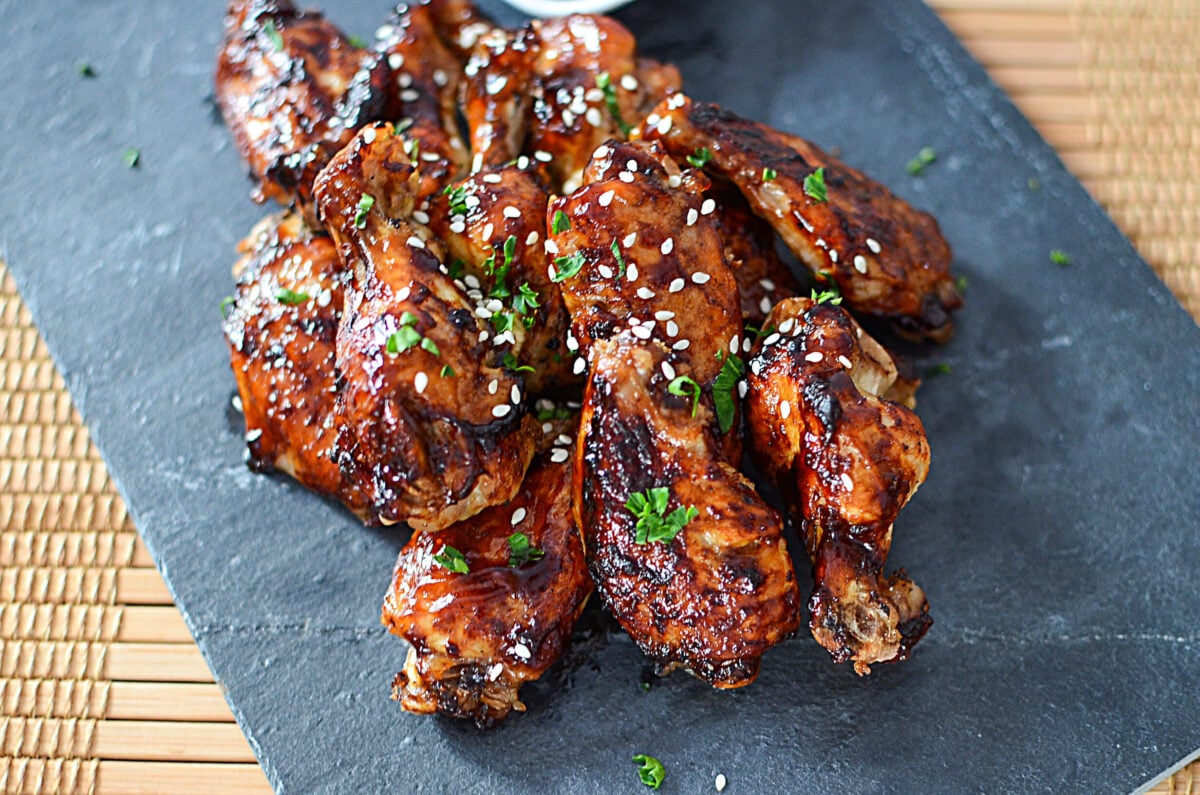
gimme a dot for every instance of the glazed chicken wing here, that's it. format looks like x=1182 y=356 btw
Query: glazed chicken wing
x=497 y=95
x=293 y=89
x=713 y=598
x=847 y=460
x=430 y=426
x=888 y=259
x=494 y=224
x=282 y=330
x=478 y=633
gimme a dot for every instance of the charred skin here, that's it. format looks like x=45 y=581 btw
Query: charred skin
x=428 y=446
x=847 y=459
x=887 y=258
x=282 y=353
x=723 y=591
x=501 y=204
x=477 y=637
x=293 y=89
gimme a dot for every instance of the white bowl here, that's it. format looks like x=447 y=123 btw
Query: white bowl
x=559 y=8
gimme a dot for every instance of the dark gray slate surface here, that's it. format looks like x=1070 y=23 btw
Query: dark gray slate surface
x=1056 y=537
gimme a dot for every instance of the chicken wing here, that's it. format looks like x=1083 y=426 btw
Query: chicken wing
x=488 y=604
x=292 y=90
x=717 y=595
x=888 y=259
x=847 y=460
x=430 y=426
x=496 y=95
x=494 y=224
x=282 y=329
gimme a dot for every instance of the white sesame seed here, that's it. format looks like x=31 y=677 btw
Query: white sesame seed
x=848 y=482
x=785 y=409
x=787 y=325
x=494 y=305
x=558 y=454
x=833 y=255
x=601 y=152
x=668 y=370
x=677 y=101
x=664 y=126
x=496 y=84
x=547 y=427
x=550 y=246
x=562 y=439
x=488 y=230
x=458 y=227
x=652 y=119
x=765 y=305
x=253 y=435
x=605 y=271
x=672 y=328
x=633 y=321
x=493 y=386
x=767 y=284
x=641 y=332
x=368 y=135
x=568 y=118
x=420 y=382
x=692 y=216
x=701 y=277
x=522 y=651
x=707 y=207
x=667 y=246
x=629 y=240
x=815 y=356
x=532 y=238
x=518 y=516
x=579 y=367
x=845 y=362
x=625 y=176
x=629 y=82
x=404 y=81
x=631 y=273
x=515 y=394
x=664 y=314
x=404 y=293
x=395 y=60
x=674 y=181
x=771 y=340
x=542 y=156
x=410 y=95
x=742 y=389
x=733 y=344
x=821 y=243
x=416 y=242
x=860 y=263
x=236 y=402
x=645 y=293
x=483 y=335
x=873 y=244
x=676 y=286
x=512 y=212
x=593 y=117
x=492 y=179
x=756 y=367
x=606 y=198
x=522 y=162
x=719 y=782
x=572 y=343
x=502 y=410
x=682 y=345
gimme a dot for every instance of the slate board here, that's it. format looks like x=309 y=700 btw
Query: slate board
x=1056 y=536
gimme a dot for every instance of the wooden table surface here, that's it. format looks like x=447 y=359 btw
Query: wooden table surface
x=102 y=687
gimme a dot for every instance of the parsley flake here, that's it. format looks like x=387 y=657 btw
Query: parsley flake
x=684 y=386
x=961 y=285
x=769 y=174
x=520 y=551
x=1059 y=257
x=604 y=83
x=226 y=304
x=653 y=521
x=553 y=413
x=458 y=199
x=511 y=363
x=525 y=303
x=616 y=250
x=940 y=369
x=566 y=267
x=132 y=157
x=86 y=70
x=732 y=369
x=402 y=339
x=290 y=297
x=918 y=164
x=831 y=297
x=561 y=223
x=431 y=346
x=357 y=43
x=364 y=206
x=452 y=560
x=272 y=34
x=701 y=157
x=650 y=770
x=447 y=371
x=502 y=321
x=814 y=186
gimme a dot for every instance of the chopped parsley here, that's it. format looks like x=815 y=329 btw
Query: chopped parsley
x=86 y=70
x=447 y=371
x=402 y=339
x=561 y=223
x=961 y=284
x=566 y=267
x=132 y=157
x=455 y=271
x=684 y=386
x=814 y=186
x=831 y=297
x=520 y=552
x=290 y=297
x=724 y=385
x=430 y=345
x=502 y=321
x=769 y=174
x=616 y=250
x=458 y=199
x=1033 y=184
x=604 y=83
x=452 y=560
x=918 y=164
x=653 y=521
x=1059 y=257
x=650 y=770
x=364 y=206
x=511 y=363
x=701 y=157
x=357 y=43
x=553 y=413
x=226 y=303
x=525 y=303
x=272 y=34
x=940 y=369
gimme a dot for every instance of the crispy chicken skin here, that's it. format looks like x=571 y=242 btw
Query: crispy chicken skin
x=846 y=460
x=494 y=223
x=497 y=95
x=888 y=259
x=293 y=90
x=477 y=637
x=671 y=276
x=723 y=591
x=433 y=432
x=282 y=330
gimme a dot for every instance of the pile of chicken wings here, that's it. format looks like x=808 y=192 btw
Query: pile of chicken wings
x=528 y=298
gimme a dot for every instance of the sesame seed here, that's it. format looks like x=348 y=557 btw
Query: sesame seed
x=253 y=435
x=821 y=243
x=562 y=439
x=742 y=389
x=767 y=284
x=487 y=230
x=785 y=409
x=719 y=782
x=707 y=207
x=496 y=84
x=593 y=117
x=746 y=345
x=580 y=366
x=845 y=362
x=633 y=321
x=568 y=118
x=629 y=240
x=668 y=370
x=483 y=335
x=771 y=340
x=677 y=101
x=629 y=82
x=420 y=382
x=692 y=216
x=786 y=325
x=547 y=427
x=733 y=344
x=404 y=81
x=493 y=386
x=676 y=286
x=395 y=60
x=645 y=293
x=848 y=482
x=515 y=394
x=641 y=332
x=542 y=156
x=652 y=119
x=522 y=651
x=368 y=135
x=701 y=277
x=420 y=217
x=833 y=255
x=494 y=305
x=815 y=356
x=606 y=198
x=501 y=411
x=873 y=244
x=682 y=345
x=605 y=271
x=860 y=263
x=558 y=455
x=532 y=238
x=512 y=212
x=765 y=305
x=756 y=367
x=410 y=95
x=601 y=152
x=572 y=343
x=404 y=293
x=664 y=314
x=667 y=246
x=625 y=176
x=674 y=181
x=416 y=242
x=672 y=328
x=550 y=246
x=458 y=227
x=664 y=126
x=631 y=272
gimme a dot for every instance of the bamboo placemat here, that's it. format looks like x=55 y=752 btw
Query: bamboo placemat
x=102 y=688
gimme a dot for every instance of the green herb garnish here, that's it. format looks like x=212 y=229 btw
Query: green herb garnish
x=431 y=346
x=364 y=206
x=769 y=174
x=132 y=157
x=616 y=250
x=653 y=521
x=1033 y=184
x=561 y=223
x=831 y=297
x=357 y=42
x=961 y=285
x=511 y=363
x=684 y=386
x=226 y=303
x=502 y=321
x=520 y=552
x=272 y=33
x=814 y=186
x=455 y=271
x=86 y=70
x=447 y=371
x=566 y=267
x=701 y=157
x=402 y=339
x=285 y=296
x=940 y=369
x=724 y=385
x=650 y=770
x=1059 y=257
x=918 y=164
x=452 y=560
x=525 y=303
x=458 y=199
x=555 y=413
x=604 y=83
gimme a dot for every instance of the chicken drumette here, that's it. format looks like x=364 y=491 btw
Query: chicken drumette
x=430 y=425
x=888 y=259
x=847 y=459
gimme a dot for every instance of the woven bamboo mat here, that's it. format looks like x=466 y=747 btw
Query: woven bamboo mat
x=102 y=689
